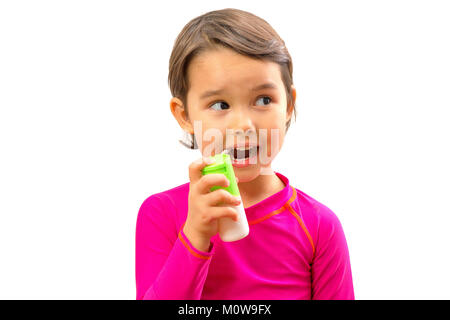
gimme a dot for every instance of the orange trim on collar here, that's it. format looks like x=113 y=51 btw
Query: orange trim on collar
x=302 y=224
x=287 y=206
x=267 y=216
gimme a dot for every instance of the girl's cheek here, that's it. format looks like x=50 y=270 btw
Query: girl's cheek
x=275 y=137
x=212 y=141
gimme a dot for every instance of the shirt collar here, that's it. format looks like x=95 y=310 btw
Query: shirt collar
x=271 y=203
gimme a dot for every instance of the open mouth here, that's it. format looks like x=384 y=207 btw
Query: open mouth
x=239 y=154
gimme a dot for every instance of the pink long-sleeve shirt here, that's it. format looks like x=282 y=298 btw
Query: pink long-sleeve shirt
x=296 y=249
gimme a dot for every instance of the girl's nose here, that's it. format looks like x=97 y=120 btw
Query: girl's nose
x=241 y=121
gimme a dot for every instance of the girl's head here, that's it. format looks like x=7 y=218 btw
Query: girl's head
x=230 y=75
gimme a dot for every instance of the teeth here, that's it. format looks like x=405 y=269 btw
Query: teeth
x=242 y=153
x=243 y=148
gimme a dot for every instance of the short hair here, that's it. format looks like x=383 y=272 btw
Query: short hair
x=238 y=30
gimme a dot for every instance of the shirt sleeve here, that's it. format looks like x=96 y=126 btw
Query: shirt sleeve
x=331 y=271
x=168 y=266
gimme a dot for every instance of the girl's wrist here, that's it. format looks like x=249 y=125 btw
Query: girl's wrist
x=200 y=243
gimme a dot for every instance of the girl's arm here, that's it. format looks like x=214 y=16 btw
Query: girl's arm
x=331 y=271
x=167 y=265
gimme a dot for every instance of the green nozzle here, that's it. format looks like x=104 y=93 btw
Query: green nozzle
x=222 y=164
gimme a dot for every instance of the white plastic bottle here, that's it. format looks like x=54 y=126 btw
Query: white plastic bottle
x=229 y=230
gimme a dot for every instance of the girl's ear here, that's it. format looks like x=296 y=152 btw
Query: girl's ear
x=180 y=114
x=291 y=106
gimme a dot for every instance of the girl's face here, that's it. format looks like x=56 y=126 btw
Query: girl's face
x=233 y=101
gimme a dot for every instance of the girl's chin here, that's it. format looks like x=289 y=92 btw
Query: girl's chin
x=246 y=174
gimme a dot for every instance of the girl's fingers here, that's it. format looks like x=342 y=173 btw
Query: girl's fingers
x=222 y=212
x=195 y=168
x=210 y=180
x=222 y=197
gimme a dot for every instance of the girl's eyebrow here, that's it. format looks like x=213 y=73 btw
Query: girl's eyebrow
x=209 y=93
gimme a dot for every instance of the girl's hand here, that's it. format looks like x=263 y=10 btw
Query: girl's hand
x=204 y=206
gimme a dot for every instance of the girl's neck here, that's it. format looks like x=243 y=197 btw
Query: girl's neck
x=259 y=188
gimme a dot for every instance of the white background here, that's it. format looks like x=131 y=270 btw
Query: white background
x=86 y=135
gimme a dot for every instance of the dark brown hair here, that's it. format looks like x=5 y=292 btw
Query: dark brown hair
x=241 y=31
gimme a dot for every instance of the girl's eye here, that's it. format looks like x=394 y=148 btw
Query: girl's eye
x=266 y=100
x=219 y=106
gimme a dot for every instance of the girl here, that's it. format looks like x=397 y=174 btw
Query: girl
x=231 y=72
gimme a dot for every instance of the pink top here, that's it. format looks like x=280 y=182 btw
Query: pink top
x=296 y=249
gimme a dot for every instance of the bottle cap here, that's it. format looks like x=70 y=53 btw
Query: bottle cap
x=222 y=164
